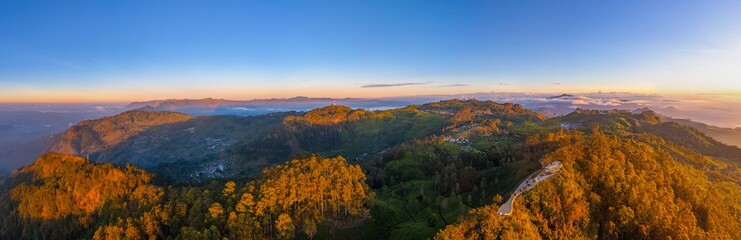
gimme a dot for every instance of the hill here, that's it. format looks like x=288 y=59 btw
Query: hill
x=210 y=106
x=58 y=195
x=195 y=149
x=185 y=148
x=603 y=192
x=730 y=136
x=174 y=104
x=92 y=136
x=358 y=134
x=433 y=170
x=67 y=197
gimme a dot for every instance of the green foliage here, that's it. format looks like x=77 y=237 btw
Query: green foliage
x=603 y=192
x=695 y=140
x=179 y=151
x=354 y=139
x=329 y=115
x=431 y=167
x=288 y=200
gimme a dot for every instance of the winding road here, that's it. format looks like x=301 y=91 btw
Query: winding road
x=529 y=183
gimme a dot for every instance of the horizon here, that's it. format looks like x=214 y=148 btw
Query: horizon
x=709 y=108
x=335 y=97
x=399 y=120
x=62 y=52
x=460 y=95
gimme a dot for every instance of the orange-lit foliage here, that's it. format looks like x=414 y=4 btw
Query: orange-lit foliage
x=286 y=201
x=92 y=136
x=616 y=188
x=66 y=185
x=467 y=110
x=485 y=223
x=311 y=190
x=329 y=115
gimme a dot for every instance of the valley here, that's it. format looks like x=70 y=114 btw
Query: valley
x=431 y=170
x=367 y=120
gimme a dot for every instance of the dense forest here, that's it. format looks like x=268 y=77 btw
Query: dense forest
x=616 y=188
x=437 y=170
x=65 y=196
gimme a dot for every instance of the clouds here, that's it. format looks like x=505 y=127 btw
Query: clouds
x=386 y=85
x=454 y=85
x=383 y=85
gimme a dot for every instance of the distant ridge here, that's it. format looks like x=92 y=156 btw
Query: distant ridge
x=212 y=106
x=174 y=104
x=641 y=110
x=561 y=96
x=730 y=136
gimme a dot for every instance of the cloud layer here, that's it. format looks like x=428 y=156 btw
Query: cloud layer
x=393 y=84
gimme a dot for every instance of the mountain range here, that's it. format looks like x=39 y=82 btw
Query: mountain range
x=210 y=106
x=435 y=170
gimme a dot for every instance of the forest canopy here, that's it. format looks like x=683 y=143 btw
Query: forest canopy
x=437 y=170
x=603 y=192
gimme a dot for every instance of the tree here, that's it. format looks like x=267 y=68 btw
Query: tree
x=216 y=210
x=229 y=188
x=285 y=226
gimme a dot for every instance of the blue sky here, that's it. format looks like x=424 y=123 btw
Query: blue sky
x=139 y=50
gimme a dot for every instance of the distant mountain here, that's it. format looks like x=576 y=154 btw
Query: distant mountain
x=210 y=106
x=92 y=136
x=173 y=104
x=641 y=110
x=192 y=148
x=647 y=121
x=441 y=165
x=562 y=96
x=546 y=112
x=731 y=136
x=671 y=110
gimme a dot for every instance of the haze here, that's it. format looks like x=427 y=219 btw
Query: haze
x=399 y=120
x=140 y=50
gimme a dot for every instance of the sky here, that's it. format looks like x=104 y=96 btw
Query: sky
x=120 y=51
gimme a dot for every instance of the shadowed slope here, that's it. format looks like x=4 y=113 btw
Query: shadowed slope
x=92 y=136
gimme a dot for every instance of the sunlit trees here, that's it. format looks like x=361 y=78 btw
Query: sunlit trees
x=286 y=201
x=68 y=190
x=329 y=115
x=308 y=191
x=616 y=188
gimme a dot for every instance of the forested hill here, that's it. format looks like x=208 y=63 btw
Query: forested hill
x=185 y=148
x=58 y=196
x=436 y=170
x=731 y=136
x=358 y=134
x=66 y=197
x=613 y=187
x=92 y=136
x=623 y=122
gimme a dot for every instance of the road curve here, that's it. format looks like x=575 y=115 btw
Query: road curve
x=529 y=183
